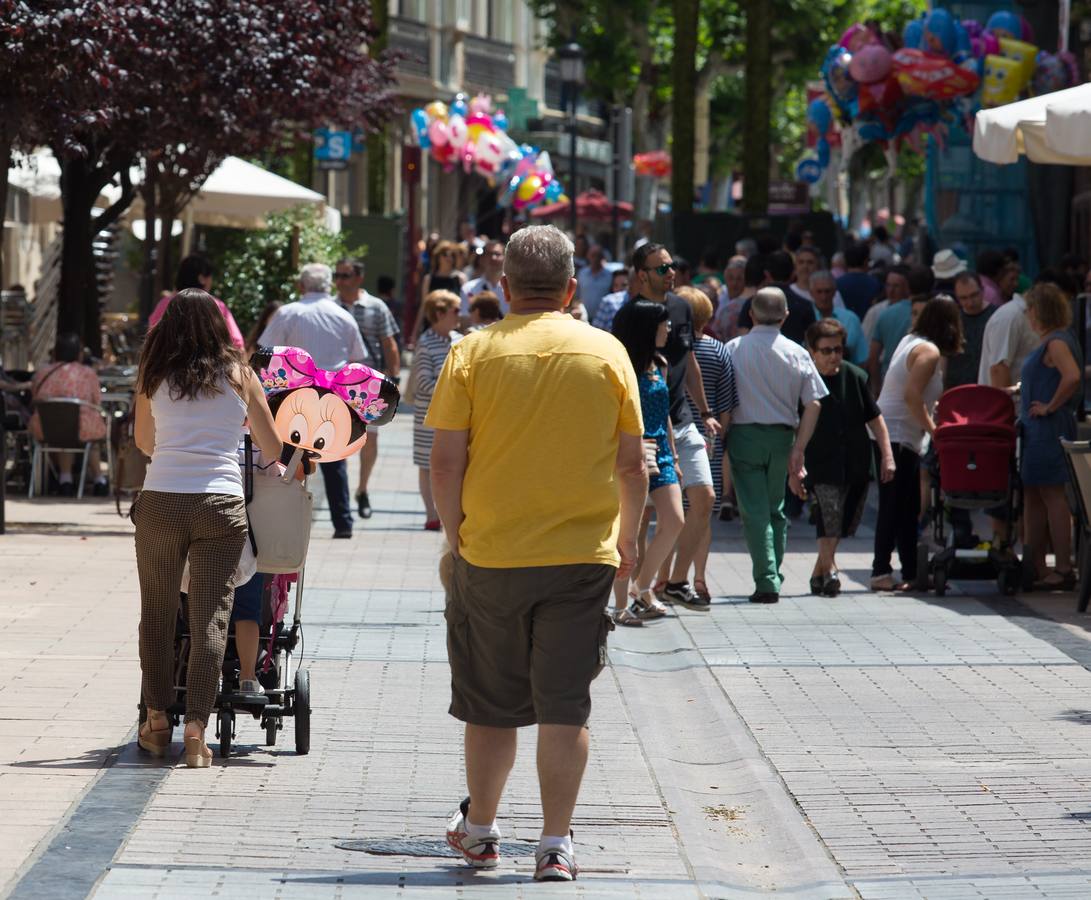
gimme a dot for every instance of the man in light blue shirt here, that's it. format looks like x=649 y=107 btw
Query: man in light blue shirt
x=593 y=280
x=823 y=292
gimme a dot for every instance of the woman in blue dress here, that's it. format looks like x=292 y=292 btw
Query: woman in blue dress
x=643 y=327
x=1049 y=394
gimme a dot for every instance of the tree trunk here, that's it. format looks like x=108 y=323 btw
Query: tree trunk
x=5 y=161
x=684 y=78
x=147 y=276
x=757 y=112
x=376 y=143
x=78 y=300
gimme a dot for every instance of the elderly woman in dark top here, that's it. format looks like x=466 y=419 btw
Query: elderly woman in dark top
x=1050 y=384
x=838 y=457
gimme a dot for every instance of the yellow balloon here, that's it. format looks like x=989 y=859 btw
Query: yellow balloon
x=1023 y=53
x=437 y=109
x=528 y=187
x=1003 y=80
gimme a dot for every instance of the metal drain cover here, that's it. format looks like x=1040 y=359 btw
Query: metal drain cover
x=426 y=847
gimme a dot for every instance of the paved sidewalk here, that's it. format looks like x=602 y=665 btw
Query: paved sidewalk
x=868 y=746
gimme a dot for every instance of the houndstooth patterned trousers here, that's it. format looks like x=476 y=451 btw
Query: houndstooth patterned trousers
x=210 y=529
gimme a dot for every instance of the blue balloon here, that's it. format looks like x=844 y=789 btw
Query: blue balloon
x=1005 y=21
x=939 y=32
x=819 y=113
x=420 y=122
x=872 y=131
x=823 y=148
x=458 y=106
x=962 y=40
x=500 y=120
x=913 y=34
x=553 y=191
x=809 y=171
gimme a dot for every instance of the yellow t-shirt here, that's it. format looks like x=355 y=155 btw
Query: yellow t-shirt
x=544 y=398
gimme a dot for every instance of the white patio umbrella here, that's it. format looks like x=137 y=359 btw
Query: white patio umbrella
x=1052 y=128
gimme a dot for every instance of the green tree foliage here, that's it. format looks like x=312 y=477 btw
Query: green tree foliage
x=256 y=267
x=630 y=48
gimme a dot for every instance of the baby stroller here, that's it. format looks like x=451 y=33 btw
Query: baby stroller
x=287 y=686
x=976 y=467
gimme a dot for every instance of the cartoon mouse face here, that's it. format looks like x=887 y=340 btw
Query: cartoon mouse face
x=317 y=419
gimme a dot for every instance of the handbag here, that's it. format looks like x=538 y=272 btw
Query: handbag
x=409 y=395
x=279 y=510
x=651 y=456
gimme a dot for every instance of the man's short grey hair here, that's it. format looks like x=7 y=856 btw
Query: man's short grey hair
x=736 y=262
x=538 y=262
x=769 y=307
x=316 y=278
x=824 y=275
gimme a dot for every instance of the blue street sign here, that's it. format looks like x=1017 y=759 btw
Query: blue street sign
x=332 y=146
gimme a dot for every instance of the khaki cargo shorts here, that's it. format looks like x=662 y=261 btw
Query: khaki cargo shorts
x=525 y=644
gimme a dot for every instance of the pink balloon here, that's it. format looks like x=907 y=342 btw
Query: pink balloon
x=480 y=119
x=437 y=133
x=456 y=128
x=870 y=64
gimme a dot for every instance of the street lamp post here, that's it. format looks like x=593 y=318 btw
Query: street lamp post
x=572 y=72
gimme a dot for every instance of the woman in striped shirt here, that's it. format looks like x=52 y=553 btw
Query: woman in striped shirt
x=716 y=375
x=440 y=309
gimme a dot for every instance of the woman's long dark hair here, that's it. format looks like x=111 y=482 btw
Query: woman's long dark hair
x=190 y=349
x=941 y=323
x=635 y=325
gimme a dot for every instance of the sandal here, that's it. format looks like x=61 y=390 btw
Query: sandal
x=154 y=740
x=831 y=585
x=701 y=590
x=658 y=589
x=816 y=585
x=627 y=617
x=198 y=756
x=1057 y=581
x=646 y=605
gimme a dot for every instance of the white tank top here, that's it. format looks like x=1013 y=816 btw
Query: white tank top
x=196 y=443
x=904 y=428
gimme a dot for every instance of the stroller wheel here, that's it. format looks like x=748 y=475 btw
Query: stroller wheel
x=940 y=579
x=921 y=583
x=271 y=726
x=225 y=726
x=1007 y=580
x=302 y=712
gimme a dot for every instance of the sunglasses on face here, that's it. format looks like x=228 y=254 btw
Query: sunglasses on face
x=829 y=351
x=340 y=275
x=661 y=270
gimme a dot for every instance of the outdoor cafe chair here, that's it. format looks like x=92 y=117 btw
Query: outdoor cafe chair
x=1078 y=456
x=60 y=421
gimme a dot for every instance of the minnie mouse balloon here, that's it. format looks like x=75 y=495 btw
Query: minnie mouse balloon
x=457 y=132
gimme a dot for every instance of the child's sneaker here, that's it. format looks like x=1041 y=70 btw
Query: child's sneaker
x=480 y=852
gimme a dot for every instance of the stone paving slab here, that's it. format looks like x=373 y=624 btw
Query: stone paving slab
x=871 y=746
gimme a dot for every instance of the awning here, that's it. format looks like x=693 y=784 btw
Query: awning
x=591 y=204
x=238 y=194
x=1052 y=128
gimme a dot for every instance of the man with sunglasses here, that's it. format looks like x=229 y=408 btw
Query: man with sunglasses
x=654 y=280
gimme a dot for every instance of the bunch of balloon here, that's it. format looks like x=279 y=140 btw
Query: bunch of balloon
x=470 y=134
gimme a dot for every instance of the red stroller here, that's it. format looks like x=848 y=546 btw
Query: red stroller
x=976 y=468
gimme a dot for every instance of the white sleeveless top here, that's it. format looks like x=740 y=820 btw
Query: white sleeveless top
x=903 y=427
x=196 y=443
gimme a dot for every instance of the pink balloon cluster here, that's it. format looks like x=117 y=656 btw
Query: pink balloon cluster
x=471 y=134
x=465 y=133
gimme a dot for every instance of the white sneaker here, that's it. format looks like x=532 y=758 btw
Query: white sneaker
x=478 y=852
x=555 y=864
x=251 y=687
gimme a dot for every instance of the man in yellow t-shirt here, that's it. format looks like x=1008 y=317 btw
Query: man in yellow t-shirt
x=538 y=475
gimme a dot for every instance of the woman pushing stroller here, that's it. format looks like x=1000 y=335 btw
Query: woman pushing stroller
x=194 y=392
